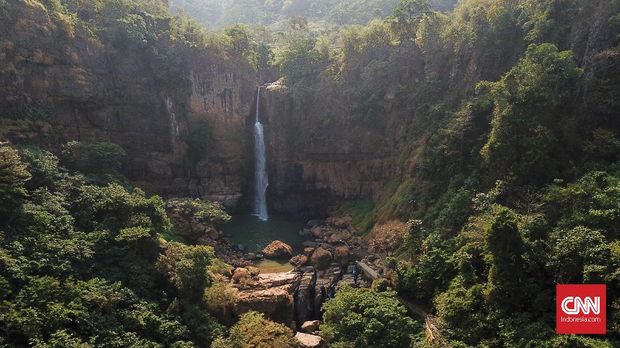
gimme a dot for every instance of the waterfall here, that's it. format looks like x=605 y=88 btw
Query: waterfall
x=261 y=180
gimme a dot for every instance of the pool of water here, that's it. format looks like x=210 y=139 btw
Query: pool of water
x=254 y=235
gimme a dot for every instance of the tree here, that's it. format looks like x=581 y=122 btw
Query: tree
x=526 y=135
x=187 y=269
x=506 y=276
x=13 y=177
x=366 y=318
x=579 y=255
x=254 y=331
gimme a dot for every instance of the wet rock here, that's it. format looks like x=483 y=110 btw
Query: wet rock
x=251 y=256
x=309 y=341
x=299 y=260
x=278 y=250
x=241 y=247
x=308 y=251
x=310 y=326
x=321 y=258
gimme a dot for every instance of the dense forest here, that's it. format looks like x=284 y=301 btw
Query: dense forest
x=485 y=136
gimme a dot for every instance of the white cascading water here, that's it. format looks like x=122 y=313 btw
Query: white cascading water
x=261 y=180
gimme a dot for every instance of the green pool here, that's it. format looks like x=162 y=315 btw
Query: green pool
x=254 y=235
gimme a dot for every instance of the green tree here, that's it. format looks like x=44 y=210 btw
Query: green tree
x=506 y=276
x=579 y=255
x=366 y=318
x=13 y=177
x=254 y=331
x=526 y=135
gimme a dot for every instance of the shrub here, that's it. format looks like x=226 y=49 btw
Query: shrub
x=366 y=318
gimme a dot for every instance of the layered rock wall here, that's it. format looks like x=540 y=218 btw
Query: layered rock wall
x=57 y=86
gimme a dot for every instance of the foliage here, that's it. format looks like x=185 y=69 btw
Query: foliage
x=13 y=177
x=366 y=318
x=100 y=162
x=253 y=330
x=78 y=264
x=525 y=136
x=361 y=214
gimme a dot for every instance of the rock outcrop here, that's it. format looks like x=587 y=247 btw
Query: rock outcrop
x=321 y=258
x=64 y=87
x=309 y=341
x=278 y=250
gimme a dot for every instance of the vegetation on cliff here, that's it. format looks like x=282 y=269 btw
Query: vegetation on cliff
x=500 y=117
x=83 y=264
x=509 y=157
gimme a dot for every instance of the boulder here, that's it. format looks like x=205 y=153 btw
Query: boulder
x=299 y=260
x=318 y=232
x=309 y=341
x=273 y=295
x=308 y=251
x=321 y=258
x=278 y=250
x=342 y=254
x=309 y=244
x=310 y=326
x=241 y=275
x=339 y=236
x=276 y=303
x=212 y=233
x=339 y=221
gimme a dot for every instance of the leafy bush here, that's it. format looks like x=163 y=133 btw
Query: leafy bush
x=253 y=330
x=366 y=318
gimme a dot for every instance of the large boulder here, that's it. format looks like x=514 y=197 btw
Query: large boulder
x=278 y=250
x=321 y=258
x=241 y=275
x=342 y=254
x=310 y=326
x=272 y=295
x=299 y=260
x=309 y=341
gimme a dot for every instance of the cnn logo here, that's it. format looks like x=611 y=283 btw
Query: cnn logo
x=580 y=309
x=575 y=305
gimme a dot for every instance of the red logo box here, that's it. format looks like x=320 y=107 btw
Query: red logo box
x=581 y=309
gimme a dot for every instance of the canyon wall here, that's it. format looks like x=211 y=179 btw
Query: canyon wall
x=58 y=86
x=319 y=157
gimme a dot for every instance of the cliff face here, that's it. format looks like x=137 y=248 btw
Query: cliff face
x=57 y=86
x=317 y=157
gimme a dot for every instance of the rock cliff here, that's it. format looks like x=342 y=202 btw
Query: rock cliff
x=318 y=156
x=59 y=85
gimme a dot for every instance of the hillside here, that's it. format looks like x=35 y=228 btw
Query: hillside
x=424 y=173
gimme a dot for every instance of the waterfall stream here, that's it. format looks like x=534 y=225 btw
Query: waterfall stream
x=261 y=180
